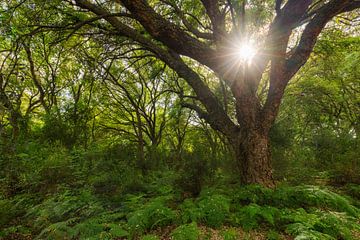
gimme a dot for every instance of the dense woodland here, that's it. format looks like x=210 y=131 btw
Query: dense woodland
x=180 y=119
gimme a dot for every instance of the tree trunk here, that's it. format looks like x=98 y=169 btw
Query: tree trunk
x=253 y=157
x=141 y=155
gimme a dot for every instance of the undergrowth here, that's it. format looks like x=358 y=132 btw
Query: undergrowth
x=304 y=212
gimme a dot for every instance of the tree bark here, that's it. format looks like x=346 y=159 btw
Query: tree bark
x=253 y=157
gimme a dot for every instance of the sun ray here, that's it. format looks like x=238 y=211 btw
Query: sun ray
x=246 y=52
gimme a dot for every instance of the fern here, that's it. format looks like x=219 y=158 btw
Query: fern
x=253 y=215
x=312 y=196
x=66 y=205
x=229 y=234
x=190 y=212
x=303 y=232
x=186 y=232
x=330 y=224
x=153 y=214
x=214 y=208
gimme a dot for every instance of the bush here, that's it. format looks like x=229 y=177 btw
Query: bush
x=214 y=208
x=193 y=172
x=190 y=212
x=229 y=234
x=318 y=224
x=251 y=216
x=186 y=232
x=64 y=207
x=312 y=196
x=294 y=197
x=273 y=235
x=153 y=214
x=11 y=209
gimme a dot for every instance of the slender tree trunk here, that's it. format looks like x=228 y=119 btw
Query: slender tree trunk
x=141 y=154
x=253 y=157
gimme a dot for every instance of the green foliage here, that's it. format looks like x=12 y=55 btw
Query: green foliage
x=93 y=228
x=229 y=234
x=303 y=232
x=153 y=214
x=300 y=196
x=353 y=190
x=214 y=208
x=95 y=142
x=10 y=209
x=186 y=232
x=150 y=237
x=190 y=212
x=251 y=216
x=194 y=170
x=64 y=207
x=252 y=194
x=332 y=225
x=273 y=235
x=312 y=196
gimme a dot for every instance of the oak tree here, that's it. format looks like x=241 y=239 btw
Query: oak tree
x=206 y=42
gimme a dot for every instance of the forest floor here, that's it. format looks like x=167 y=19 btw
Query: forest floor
x=159 y=210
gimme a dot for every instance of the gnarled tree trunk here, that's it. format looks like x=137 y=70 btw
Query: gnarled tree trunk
x=253 y=157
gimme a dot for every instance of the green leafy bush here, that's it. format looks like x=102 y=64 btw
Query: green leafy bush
x=190 y=212
x=273 y=235
x=312 y=196
x=186 y=232
x=229 y=234
x=318 y=224
x=153 y=214
x=294 y=197
x=214 y=208
x=251 y=216
x=10 y=209
x=102 y=226
x=301 y=231
x=65 y=206
x=251 y=194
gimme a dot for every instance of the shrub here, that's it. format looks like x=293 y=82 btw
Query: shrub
x=294 y=197
x=273 y=235
x=252 y=194
x=153 y=214
x=312 y=196
x=214 y=208
x=302 y=231
x=229 y=234
x=11 y=209
x=186 y=232
x=318 y=224
x=101 y=226
x=62 y=207
x=251 y=216
x=190 y=212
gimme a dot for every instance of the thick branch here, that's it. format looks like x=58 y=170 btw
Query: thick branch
x=283 y=70
x=216 y=17
x=169 y=34
x=312 y=32
x=219 y=118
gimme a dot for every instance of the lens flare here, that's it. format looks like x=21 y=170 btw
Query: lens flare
x=246 y=52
